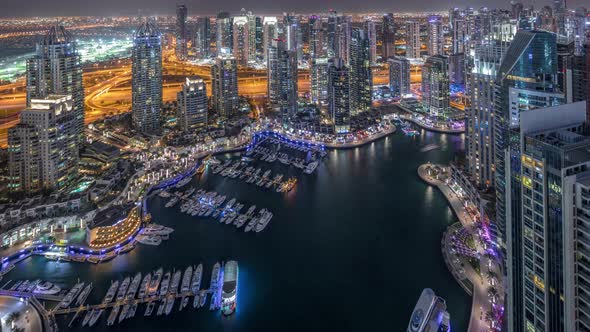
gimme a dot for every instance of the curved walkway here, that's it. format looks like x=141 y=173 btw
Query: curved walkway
x=480 y=304
x=435 y=129
x=335 y=146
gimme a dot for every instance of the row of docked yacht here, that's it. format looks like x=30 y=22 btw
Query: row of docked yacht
x=250 y=175
x=163 y=288
x=150 y=288
x=153 y=234
x=210 y=204
x=36 y=287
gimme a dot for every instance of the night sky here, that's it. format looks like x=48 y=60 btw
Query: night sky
x=17 y=8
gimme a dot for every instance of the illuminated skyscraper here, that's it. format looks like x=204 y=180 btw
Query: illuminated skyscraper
x=43 y=148
x=282 y=79
x=361 y=76
x=339 y=95
x=343 y=35
x=202 y=43
x=271 y=32
x=181 y=32
x=413 y=40
x=435 y=85
x=292 y=34
x=315 y=36
x=319 y=80
x=388 y=37
x=526 y=81
x=223 y=34
x=548 y=203
x=334 y=21
x=369 y=28
x=459 y=35
x=435 y=35
x=241 y=43
x=399 y=76
x=191 y=112
x=55 y=69
x=224 y=77
x=146 y=78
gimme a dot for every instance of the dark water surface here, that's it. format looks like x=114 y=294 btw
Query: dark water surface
x=349 y=249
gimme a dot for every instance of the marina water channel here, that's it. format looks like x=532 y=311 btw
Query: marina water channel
x=350 y=248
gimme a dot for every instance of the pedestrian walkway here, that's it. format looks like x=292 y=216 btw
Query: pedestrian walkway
x=481 y=302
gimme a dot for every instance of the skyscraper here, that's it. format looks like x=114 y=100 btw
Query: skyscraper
x=343 y=35
x=435 y=35
x=224 y=77
x=43 y=148
x=481 y=118
x=241 y=43
x=459 y=35
x=339 y=95
x=528 y=70
x=55 y=69
x=223 y=34
x=457 y=68
x=181 y=32
x=202 y=42
x=334 y=21
x=547 y=219
x=319 y=80
x=146 y=78
x=399 y=76
x=292 y=34
x=361 y=76
x=271 y=32
x=369 y=28
x=191 y=112
x=435 y=85
x=413 y=40
x=315 y=36
x=282 y=79
x=388 y=37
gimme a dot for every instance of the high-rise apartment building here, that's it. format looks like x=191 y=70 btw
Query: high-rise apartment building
x=388 y=36
x=55 y=68
x=191 y=112
x=223 y=34
x=413 y=42
x=361 y=76
x=369 y=27
x=181 y=32
x=224 y=82
x=339 y=96
x=202 y=41
x=546 y=219
x=271 y=32
x=319 y=80
x=43 y=147
x=146 y=78
x=399 y=76
x=315 y=37
x=435 y=35
x=436 y=85
x=241 y=42
x=282 y=79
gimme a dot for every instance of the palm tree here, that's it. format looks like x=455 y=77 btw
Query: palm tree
x=492 y=277
x=13 y=316
x=493 y=294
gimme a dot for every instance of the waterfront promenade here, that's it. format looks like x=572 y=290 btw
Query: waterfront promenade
x=481 y=302
x=410 y=116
